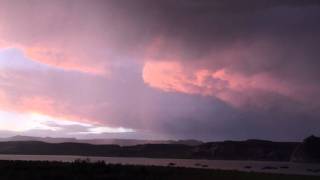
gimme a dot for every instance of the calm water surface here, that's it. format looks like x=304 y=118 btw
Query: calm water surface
x=256 y=166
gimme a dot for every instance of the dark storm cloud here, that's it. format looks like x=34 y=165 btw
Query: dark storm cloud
x=286 y=31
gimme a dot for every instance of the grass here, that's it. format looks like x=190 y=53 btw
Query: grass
x=83 y=170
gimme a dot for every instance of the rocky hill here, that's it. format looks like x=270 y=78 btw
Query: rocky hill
x=308 y=151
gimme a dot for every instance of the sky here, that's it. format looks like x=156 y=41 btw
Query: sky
x=169 y=69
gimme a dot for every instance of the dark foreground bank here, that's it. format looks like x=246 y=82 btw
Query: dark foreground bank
x=36 y=170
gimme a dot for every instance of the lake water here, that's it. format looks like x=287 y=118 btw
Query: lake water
x=256 y=166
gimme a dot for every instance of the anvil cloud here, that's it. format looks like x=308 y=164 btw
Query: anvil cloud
x=161 y=69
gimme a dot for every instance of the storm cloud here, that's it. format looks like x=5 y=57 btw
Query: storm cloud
x=167 y=69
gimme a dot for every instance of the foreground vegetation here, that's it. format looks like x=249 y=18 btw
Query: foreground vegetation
x=80 y=170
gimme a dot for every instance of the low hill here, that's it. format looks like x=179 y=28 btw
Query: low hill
x=120 y=142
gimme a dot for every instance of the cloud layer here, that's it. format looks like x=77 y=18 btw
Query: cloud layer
x=171 y=69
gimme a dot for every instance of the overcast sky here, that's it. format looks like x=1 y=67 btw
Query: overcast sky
x=169 y=69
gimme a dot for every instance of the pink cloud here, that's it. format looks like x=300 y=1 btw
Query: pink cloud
x=69 y=39
x=61 y=58
x=39 y=105
x=172 y=76
x=221 y=73
x=69 y=59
